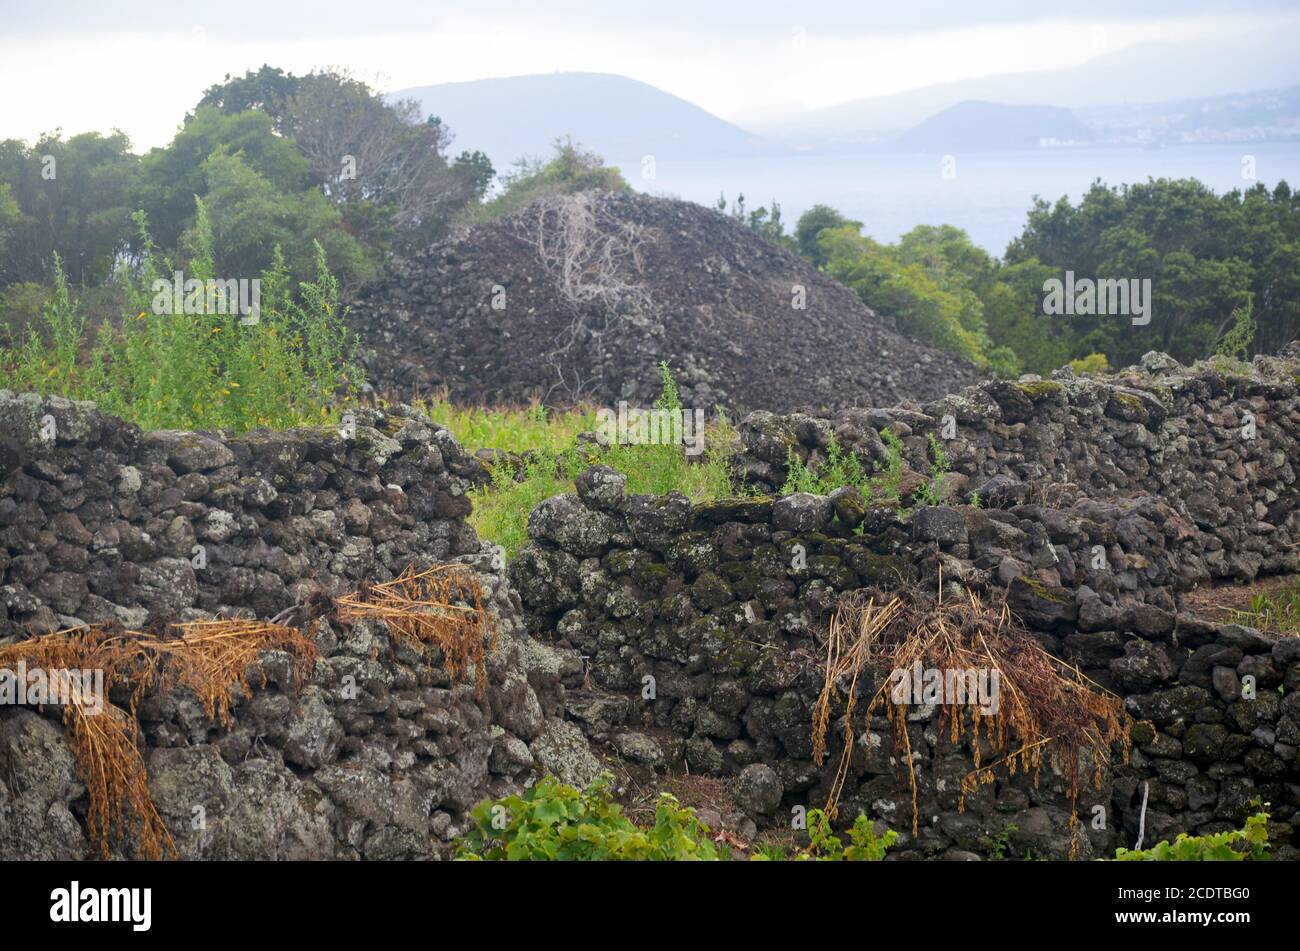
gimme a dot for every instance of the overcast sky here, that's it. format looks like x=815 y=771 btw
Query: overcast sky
x=93 y=65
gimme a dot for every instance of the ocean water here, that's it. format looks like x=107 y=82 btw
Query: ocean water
x=986 y=193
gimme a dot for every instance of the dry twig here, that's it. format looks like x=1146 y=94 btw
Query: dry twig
x=1045 y=706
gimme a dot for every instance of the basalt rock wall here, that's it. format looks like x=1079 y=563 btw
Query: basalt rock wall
x=1219 y=447
x=703 y=626
x=378 y=754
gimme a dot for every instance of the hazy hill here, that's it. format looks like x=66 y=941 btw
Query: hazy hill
x=992 y=126
x=617 y=117
x=1152 y=72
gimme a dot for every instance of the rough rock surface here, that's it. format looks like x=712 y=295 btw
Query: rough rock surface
x=677 y=635
x=713 y=299
x=378 y=755
x=1217 y=449
x=1104 y=517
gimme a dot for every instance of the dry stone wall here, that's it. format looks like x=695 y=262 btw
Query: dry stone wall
x=379 y=754
x=1102 y=502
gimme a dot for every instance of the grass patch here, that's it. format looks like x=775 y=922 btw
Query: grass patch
x=500 y=513
x=1276 y=613
x=519 y=429
x=547 y=460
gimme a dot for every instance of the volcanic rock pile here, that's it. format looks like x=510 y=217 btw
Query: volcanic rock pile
x=582 y=300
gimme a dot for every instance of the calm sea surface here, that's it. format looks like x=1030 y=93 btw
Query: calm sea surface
x=988 y=195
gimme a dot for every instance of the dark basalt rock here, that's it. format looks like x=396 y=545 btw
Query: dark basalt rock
x=377 y=755
x=712 y=298
x=1095 y=567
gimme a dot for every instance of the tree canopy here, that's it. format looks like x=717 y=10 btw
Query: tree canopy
x=1207 y=256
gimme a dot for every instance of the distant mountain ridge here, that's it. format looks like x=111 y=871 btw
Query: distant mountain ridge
x=1150 y=73
x=993 y=127
x=626 y=120
x=618 y=117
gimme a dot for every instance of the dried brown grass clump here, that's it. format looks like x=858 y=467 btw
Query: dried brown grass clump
x=209 y=658
x=1046 y=707
x=107 y=752
x=440 y=607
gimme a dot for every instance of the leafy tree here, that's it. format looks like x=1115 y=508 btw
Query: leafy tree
x=1204 y=254
x=66 y=195
x=913 y=282
x=10 y=216
x=266 y=90
x=369 y=155
x=476 y=170
x=250 y=217
x=812 y=223
x=383 y=165
x=21 y=305
x=1012 y=315
x=171 y=177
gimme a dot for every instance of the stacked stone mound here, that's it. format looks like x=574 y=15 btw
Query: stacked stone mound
x=725 y=605
x=710 y=297
x=379 y=754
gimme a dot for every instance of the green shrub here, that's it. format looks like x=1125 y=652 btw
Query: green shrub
x=21 y=306
x=1000 y=843
x=570 y=170
x=1249 y=844
x=842 y=468
x=48 y=359
x=890 y=480
x=290 y=367
x=824 y=846
x=932 y=493
x=1092 y=363
x=555 y=822
x=1235 y=344
x=657 y=469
